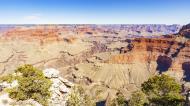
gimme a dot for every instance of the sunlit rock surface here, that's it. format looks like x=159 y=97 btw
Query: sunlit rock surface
x=102 y=59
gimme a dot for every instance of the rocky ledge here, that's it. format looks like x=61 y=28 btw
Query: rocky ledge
x=60 y=90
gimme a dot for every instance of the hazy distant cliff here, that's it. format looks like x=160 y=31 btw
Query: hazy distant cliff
x=138 y=30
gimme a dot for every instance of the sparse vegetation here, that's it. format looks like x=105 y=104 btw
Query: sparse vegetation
x=119 y=100
x=78 y=97
x=160 y=90
x=9 y=78
x=32 y=85
x=138 y=98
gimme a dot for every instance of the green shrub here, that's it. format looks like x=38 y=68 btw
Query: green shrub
x=32 y=85
x=163 y=90
x=138 y=98
x=119 y=100
x=9 y=78
x=29 y=70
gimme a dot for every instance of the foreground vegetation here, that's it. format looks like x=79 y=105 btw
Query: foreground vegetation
x=78 y=97
x=163 y=91
x=32 y=84
x=160 y=90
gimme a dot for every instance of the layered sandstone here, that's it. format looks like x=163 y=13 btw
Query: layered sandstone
x=102 y=59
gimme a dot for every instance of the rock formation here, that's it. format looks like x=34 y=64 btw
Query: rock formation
x=185 y=31
x=60 y=87
x=103 y=59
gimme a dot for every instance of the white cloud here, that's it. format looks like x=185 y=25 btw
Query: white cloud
x=33 y=17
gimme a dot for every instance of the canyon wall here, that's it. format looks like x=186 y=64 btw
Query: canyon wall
x=102 y=60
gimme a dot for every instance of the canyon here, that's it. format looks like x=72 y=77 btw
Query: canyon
x=104 y=59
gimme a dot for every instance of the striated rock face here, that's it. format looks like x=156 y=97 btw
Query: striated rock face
x=103 y=59
x=168 y=53
x=185 y=31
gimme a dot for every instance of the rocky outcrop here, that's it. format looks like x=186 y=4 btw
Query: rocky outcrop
x=60 y=90
x=185 y=31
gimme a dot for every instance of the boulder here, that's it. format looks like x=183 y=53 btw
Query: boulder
x=51 y=73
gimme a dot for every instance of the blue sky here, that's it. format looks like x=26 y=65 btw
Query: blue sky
x=94 y=11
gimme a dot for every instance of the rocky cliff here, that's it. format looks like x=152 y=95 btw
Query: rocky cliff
x=103 y=62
